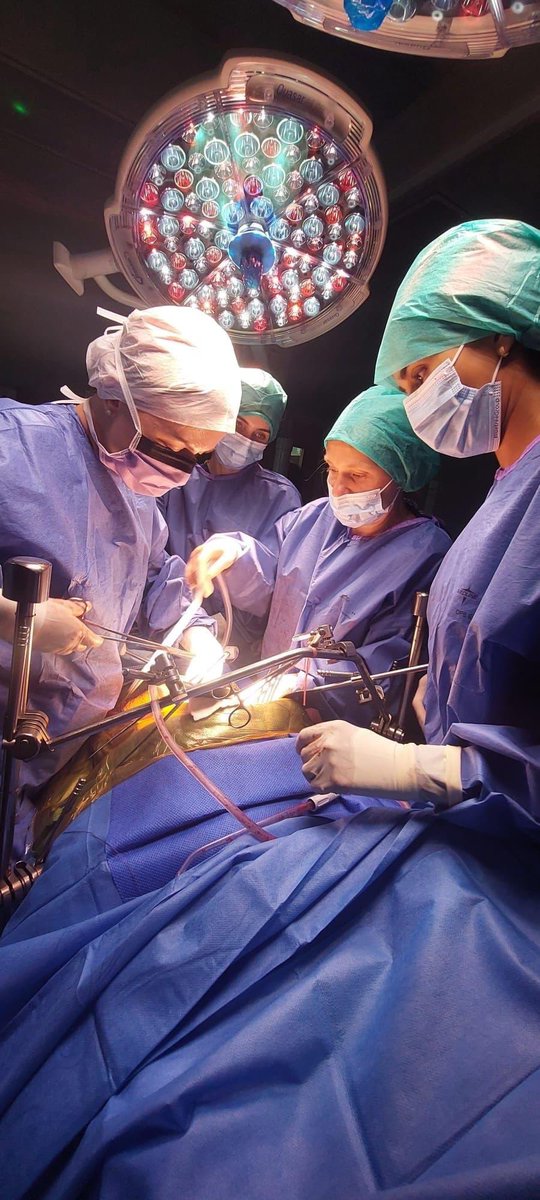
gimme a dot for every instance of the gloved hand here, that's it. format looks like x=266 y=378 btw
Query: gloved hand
x=58 y=628
x=339 y=757
x=209 y=560
x=209 y=656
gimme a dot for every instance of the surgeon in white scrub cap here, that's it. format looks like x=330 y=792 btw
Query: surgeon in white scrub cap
x=168 y=388
x=77 y=487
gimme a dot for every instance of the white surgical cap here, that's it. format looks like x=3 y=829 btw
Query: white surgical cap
x=178 y=363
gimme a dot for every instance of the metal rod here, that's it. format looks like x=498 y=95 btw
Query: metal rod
x=202 y=689
x=419 y=610
x=355 y=680
x=346 y=676
x=26 y=581
x=131 y=714
x=286 y=658
x=379 y=702
x=7 y=810
x=207 y=689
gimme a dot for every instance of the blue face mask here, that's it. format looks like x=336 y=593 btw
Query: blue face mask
x=455 y=419
x=236 y=451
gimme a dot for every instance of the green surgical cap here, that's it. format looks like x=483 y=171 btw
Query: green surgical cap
x=376 y=424
x=481 y=277
x=262 y=396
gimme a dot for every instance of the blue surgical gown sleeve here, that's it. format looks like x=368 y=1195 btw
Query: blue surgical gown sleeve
x=166 y=595
x=105 y=544
x=500 y=774
x=385 y=641
x=252 y=500
x=363 y=588
x=252 y=577
x=483 y=689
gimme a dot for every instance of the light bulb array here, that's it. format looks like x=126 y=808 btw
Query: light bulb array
x=246 y=166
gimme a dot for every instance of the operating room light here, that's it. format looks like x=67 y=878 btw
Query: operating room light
x=438 y=28
x=255 y=197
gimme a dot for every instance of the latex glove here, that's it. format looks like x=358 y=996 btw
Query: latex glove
x=209 y=560
x=209 y=656
x=58 y=628
x=265 y=690
x=419 y=707
x=337 y=756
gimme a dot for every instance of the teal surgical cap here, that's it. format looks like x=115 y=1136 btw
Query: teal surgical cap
x=262 y=396
x=481 y=277
x=376 y=424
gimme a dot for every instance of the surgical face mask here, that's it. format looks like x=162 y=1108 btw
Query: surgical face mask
x=236 y=451
x=140 y=473
x=455 y=419
x=362 y=508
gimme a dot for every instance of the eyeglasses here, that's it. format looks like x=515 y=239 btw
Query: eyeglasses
x=183 y=460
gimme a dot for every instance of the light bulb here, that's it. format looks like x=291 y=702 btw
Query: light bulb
x=216 y=151
x=290 y=130
x=173 y=157
x=172 y=200
x=196 y=163
x=273 y=176
x=246 y=145
x=168 y=226
x=188 y=278
x=312 y=170
x=207 y=188
x=157 y=260
x=312 y=306
x=328 y=194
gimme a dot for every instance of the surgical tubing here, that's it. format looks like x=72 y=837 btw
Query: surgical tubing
x=298 y=810
x=200 y=776
x=177 y=630
x=174 y=634
x=228 y=609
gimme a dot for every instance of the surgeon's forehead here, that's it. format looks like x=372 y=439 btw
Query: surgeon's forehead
x=347 y=457
x=429 y=360
x=173 y=429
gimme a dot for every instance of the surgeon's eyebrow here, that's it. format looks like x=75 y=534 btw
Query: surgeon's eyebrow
x=403 y=373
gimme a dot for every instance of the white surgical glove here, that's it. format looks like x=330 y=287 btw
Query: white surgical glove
x=58 y=628
x=209 y=656
x=209 y=560
x=337 y=756
x=207 y=664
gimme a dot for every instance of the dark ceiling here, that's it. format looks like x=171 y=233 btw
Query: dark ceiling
x=455 y=139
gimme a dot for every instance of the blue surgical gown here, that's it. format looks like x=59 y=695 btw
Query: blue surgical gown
x=350 y=1012
x=252 y=500
x=321 y=574
x=106 y=545
x=483 y=690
